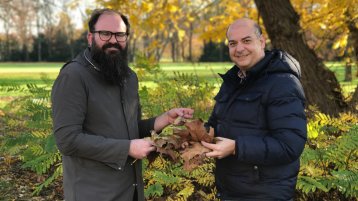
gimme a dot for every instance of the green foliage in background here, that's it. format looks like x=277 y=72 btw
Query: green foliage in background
x=181 y=90
x=163 y=178
x=328 y=163
x=29 y=131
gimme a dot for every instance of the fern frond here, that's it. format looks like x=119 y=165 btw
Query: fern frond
x=186 y=192
x=309 y=184
x=346 y=182
x=57 y=173
x=154 y=190
x=159 y=163
x=345 y=149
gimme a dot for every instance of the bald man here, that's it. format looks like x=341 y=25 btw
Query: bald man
x=259 y=120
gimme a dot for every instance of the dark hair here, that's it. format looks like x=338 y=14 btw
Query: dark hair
x=98 y=12
x=258 y=30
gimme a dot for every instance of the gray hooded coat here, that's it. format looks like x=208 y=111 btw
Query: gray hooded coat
x=93 y=124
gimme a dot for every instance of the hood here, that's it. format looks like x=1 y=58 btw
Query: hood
x=277 y=61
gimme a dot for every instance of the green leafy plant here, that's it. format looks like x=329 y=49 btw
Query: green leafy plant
x=29 y=132
x=329 y=162
x=164 y=179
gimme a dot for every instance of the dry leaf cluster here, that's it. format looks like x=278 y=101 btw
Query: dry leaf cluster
x=184 y=143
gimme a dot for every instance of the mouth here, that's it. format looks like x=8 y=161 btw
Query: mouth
x=242 y=56
x=112 y=49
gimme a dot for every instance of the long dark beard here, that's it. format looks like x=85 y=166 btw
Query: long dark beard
x=114 y=64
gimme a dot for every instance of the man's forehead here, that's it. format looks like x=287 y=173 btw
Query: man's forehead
x=240 y=33
x=110 y=20
x=243 y=27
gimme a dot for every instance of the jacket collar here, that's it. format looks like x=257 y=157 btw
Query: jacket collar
x=87 y=56
x=231 y=75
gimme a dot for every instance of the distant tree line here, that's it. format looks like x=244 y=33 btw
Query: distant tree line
x=42 y=49
x=59 y=49
x=38 y=30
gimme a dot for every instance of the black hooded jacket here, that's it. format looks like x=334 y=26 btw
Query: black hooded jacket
x=264 y=114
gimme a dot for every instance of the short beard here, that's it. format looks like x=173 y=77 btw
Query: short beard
x=114 y=64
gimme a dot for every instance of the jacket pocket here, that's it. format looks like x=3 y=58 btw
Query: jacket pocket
x=246 y=108
x=92 y=164
x=221 y=104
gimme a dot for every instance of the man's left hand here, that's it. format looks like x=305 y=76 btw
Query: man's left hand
x=173 y=114
x=170 y=116
x=221 y=149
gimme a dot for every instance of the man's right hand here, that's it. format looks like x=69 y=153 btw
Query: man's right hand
x=140 y=148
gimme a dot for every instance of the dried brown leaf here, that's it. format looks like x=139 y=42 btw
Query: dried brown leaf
x=194 y=155
x=198 y=132
x=179 y=121
x=187 y=142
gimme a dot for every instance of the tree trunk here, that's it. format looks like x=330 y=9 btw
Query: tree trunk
x=166 y=41
x=282 y=25
x=172 y=42
x=182 y=50
x=174 y=46
x=348 y=72
x=190 y=58
x=39 y=38
x=132 y=48
x=7 y=55
x=353 y=37
x=354 y=101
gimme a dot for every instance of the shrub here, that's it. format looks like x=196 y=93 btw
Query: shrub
x=29 y=132
x=329 y=162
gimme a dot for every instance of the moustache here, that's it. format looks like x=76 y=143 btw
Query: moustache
x=109 y=45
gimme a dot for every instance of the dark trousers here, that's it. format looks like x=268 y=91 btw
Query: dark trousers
x=135 y=196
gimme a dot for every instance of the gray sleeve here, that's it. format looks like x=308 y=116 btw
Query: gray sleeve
x=145 y=127
x=69 y=106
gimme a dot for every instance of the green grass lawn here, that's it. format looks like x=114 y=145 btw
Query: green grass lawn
x=24 y=73
x=339 y=70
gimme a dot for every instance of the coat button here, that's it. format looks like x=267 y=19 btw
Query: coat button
x=135 y=184
x=119 y=168
x=255 y=167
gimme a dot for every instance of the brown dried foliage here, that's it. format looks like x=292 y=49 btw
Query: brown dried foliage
x=184 y=143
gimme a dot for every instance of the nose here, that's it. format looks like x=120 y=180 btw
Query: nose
x=112 y=39
x=239 y=47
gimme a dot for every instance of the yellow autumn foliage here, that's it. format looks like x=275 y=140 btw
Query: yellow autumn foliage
x=328 y=20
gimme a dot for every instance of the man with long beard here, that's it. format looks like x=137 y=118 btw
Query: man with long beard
x=97 y=118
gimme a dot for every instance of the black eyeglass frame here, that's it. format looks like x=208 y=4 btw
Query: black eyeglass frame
x=122 y=37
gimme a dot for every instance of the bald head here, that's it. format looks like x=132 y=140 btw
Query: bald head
x=245 y=23
x=246 y=43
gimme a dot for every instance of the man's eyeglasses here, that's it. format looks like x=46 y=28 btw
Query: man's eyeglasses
x=107 y=35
